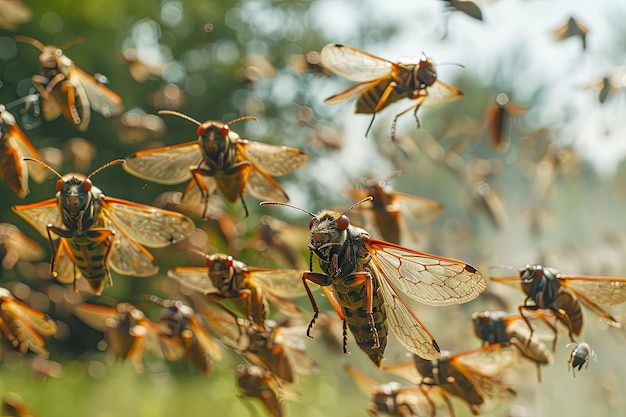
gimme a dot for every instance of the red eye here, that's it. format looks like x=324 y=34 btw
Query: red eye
x=343 y=222
x=87 y=185
x=311 y=223
x=229 y=261
x=200 y=130
x=225 y=130
x=60 y=185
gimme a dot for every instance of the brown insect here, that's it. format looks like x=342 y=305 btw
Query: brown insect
x=14 y=146
x=391 y=210
x=563 y=295
x=571 y=28
x=13 y=13
x=579 y=356
x=381 y=82
x=225 y=278
x=472 y=376
x=24 y=327
x=66 y=89
x=496 y=327
x=497 y=118
x=16 y=246
x=360 y=276
x=218 y=159
x=260 y=383
x=13 y=406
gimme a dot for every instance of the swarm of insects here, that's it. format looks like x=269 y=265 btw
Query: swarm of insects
x=218 y=159
x=66 y=89
x=381 y=82
x=360 y=276
x=97 y=232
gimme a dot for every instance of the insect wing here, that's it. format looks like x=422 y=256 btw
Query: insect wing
x=40 y=215
x=282 y=282
x=350 y=93
x=27 y=325
x=150 y=226
x=490 y=361
x=354 y=64
x=167 y=165
x=208 y=348
x=439 y=93
x=35 y=171
x=427 y=278
x=422 y=210
x=101 y=99
x=606 y=291
x=194 y=277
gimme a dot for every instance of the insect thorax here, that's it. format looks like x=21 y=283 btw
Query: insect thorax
x=79 y=208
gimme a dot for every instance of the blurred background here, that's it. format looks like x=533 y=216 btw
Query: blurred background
x=549 y=189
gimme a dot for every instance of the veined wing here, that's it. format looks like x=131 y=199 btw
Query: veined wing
x=427 y=278
x=605 y=291
x=194 y=277
x=439 y=93
x=350 y=93
x=127 y=256
x=101 y=99
x=354 y=64
x=264 y=187
x=272 y=159
x=419 y=209
x=490 y=361
x=409 y=330
x=167 y=165
x=35 y=171
x=284 y=282
x=150 y=226
x=40 y=215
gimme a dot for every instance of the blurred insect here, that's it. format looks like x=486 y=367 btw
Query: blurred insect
x=309 y=62
x=13 y=406
x=136 y=126
x=473 y=376
x=66 y=89
x=24 y=326
x=496 y=327
x=360 y=275
x=127 y=330
x=97 y=232
x=142 y=66
x=14 y=145
x=466 y=7
x=497 y=116
x=185 y=335
x=15 y=246
x=278 y=240
x=392 y=399
x=546 y=288
x=571 y=29
x=218 y=159
x=260 y=383
x=251 y=288
x=579 y=356
x=381 y=82
x=13 y=13
x=610 y=84
x=391 y=209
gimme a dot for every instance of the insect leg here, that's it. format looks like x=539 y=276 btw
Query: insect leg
x=7 y=333
x=196 y=174
x=321 y=280
x=415 y=108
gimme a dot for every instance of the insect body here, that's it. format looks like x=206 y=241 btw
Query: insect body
x=66 y=89
x=14 y=145
x=360 y=276
x=218 y=159
x=96 y=231
x=579 y=356
x=381 y=82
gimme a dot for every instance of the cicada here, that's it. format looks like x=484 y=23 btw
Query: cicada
x=579 y=356
x=391 y=209
x=224 y=277
x=14 y=145
x=66 y=89
x=570 y=29
x=97 y=232
x=218 y=159
x=23 y=326
x=260 y=383
x=381 y=82
x=360 y=276
x=496 y=327
x=473 y=376
x=127 y=330
x=546 y=288
x=497 y=116
x=15 y=246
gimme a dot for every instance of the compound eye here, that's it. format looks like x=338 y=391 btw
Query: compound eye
x=201 y=130
x=87 y=184
x=343 y=222
x=229 y=261
x=60 y=184
x=311 y=222
x=225 y=130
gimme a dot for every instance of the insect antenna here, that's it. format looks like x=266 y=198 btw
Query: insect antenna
x=278 y=203
x=239 y=119
x=70 y=43
x=29 y=98
x=183 y=116
x=43 y=164
x=31 y=41
x=366 y=199
x=108 y=164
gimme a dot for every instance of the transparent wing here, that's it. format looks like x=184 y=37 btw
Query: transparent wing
x=101 y=99
x=193 y=277
x=350 y=93
x=127 y=256
x=353 y=64
x=40 y=214
x=207 y=344
x=150 y=226
x=283 y=282
x=421 y=210
x=439 y=93
x=264 y=187
x=167 y=165
x=409 y=330
x=427 y=278
x=606 y=291
x=35 y=171
x=490 y=361
x=272 y=159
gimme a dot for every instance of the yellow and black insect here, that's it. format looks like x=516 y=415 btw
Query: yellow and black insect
x=97 y=232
